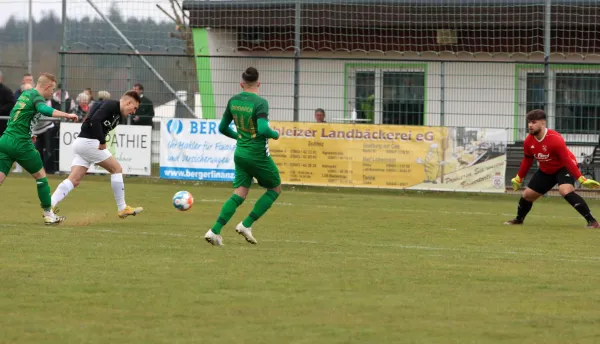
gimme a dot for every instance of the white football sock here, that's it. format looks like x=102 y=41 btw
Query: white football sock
x=116 y=181
x=62 y=191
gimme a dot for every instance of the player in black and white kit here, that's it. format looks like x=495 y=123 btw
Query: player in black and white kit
x=90 y=148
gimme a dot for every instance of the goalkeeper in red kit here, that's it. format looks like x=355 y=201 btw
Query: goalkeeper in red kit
x=557 y=166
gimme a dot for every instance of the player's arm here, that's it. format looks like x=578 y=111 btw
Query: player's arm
x=262 y=122
x=524 y=168
x=526 y=162
x=264 y=129
x=48 y=111
x=224 y=127
x=564 y=154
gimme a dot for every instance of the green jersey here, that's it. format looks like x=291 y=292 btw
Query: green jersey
x=25 y=115
x=245 y=109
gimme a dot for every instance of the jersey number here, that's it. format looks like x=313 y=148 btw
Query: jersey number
x=18 y=112
x=245 y=124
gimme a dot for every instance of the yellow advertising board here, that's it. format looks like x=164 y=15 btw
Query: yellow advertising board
x=382 y=156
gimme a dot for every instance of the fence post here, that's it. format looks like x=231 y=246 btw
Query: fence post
x=297 y=44
x=129 y=78
x=63 y=49
x=30 y=40
x=547 y=81
x=442 y=112
x=442 y=93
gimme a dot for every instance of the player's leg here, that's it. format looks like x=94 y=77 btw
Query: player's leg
x=539 y=185
x=6 y=160
x=268 y=177
x=5 y=166
x=566 y=189
x=31 y=161
x=79 y=169
x=118 y=186
x=241 y=183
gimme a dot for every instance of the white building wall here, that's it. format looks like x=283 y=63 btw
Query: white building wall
x=476 y=94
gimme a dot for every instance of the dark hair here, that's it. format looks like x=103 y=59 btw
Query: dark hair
x=320 y=110
x=133 y=95
x=27 y=74
x=139 y=86
x=536 y=115
x=250 y=75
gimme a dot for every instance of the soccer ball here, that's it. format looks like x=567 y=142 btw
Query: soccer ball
x=183 y=200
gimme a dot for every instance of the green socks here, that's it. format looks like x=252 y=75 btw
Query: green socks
x=260 y=208
x=227 y=212
x=43 y=190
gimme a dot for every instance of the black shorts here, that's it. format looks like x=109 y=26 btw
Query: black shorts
x=542 y=182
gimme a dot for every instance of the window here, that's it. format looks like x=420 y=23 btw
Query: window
x=402 y=98
x=577 y=103
x=388 y=96
x=365 y=96
x=535 y=91
x=574 y=101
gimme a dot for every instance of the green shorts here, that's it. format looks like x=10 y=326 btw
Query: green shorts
x=264 y=170
x=20 y=151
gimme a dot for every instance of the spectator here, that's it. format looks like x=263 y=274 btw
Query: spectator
x=320 y=115
x=55 y=101
x=27 y=79
x=102 y=95
x=88 y=91
x=145 y=113
x=7 y=102
x=82 y=107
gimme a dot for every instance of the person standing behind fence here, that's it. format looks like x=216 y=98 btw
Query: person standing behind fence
x=82 y=107
x=56 y=101
x=27 y=80
x=145 y=113
x=90 y=94
x=320 y=115
x=7 y=101
x=102 y=96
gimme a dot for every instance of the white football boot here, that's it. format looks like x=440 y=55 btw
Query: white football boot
x=53 y=219
x=213 y=238
x=246 y=232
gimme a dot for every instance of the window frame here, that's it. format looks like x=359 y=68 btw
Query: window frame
x=351 y=69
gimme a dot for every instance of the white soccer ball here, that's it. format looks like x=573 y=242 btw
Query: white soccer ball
x=183 y=200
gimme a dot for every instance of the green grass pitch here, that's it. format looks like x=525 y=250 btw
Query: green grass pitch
x=331 y=266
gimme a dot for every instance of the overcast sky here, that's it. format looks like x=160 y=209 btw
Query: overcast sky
x=81 y=8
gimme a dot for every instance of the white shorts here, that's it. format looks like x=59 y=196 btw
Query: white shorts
x=86 y=152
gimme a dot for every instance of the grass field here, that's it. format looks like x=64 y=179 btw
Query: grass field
x=331 y=266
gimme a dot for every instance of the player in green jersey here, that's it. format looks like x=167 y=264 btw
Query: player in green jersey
x=16 y=143
x=250 y=114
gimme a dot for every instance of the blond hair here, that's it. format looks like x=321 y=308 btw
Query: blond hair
x=103 y=95
x=46 y=78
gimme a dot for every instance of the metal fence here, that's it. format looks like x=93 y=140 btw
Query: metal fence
x=378 y=91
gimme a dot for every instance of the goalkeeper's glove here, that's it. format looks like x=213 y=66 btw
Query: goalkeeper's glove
x=588 y=183
x=516 y=183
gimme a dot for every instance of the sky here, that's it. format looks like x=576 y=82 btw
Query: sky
x=137 y=8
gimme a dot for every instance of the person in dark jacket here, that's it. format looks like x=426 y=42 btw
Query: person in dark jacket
x=7 y=102
x=27 y=80
x=145 y=112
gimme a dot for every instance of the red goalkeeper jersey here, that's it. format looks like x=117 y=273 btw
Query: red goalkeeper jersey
x=552 y=154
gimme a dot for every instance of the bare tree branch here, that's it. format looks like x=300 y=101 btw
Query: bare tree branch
x=166 y=13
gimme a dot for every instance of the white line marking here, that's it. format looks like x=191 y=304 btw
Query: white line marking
x=549 y=256
x=398 y=210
